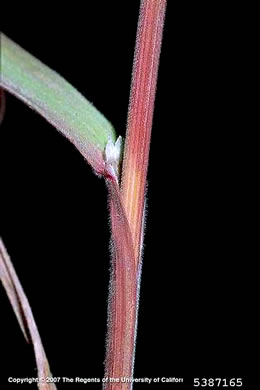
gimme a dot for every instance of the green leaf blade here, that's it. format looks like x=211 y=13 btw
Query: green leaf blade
x=56 y=100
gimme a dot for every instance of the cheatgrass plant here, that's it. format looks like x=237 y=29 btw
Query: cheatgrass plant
x=93 y=135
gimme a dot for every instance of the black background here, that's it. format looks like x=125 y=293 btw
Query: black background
x=194 y=305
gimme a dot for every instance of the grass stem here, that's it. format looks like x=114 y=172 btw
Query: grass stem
x=127 y=202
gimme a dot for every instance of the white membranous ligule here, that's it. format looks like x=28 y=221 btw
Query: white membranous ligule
x=113 y=154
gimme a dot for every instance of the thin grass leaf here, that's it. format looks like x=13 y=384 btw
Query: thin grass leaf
x=127 y=203
x=24 y=315
x=57 y=101
x=10 y=289
x=2 y=105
